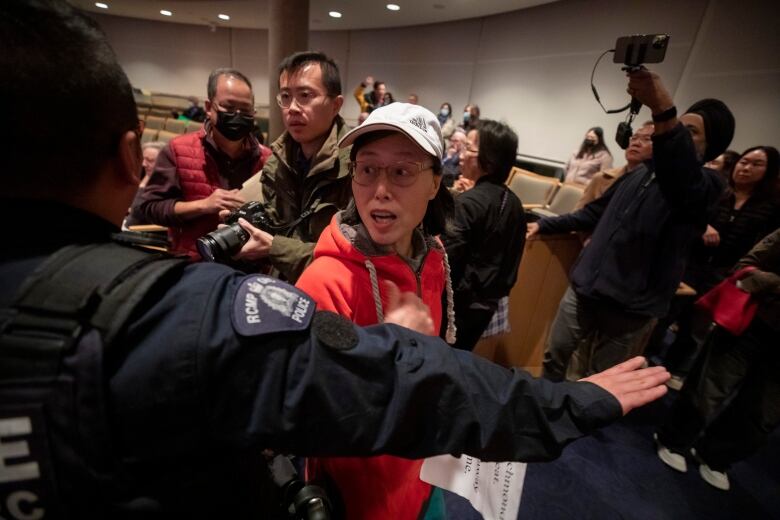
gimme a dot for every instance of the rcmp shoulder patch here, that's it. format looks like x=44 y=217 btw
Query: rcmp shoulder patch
x=264 y=305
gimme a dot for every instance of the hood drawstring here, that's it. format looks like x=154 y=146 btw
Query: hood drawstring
x=450 y=335
x=380 y=315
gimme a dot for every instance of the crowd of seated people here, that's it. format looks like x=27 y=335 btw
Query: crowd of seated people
x=682 y=209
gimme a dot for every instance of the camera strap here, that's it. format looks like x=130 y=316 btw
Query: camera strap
x=286 y=228
x=596 y=92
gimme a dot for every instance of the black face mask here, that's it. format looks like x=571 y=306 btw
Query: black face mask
x=233 y=125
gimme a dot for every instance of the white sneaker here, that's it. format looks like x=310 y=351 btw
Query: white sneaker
x=714 y=478
x=670 y=458
x=675 y=382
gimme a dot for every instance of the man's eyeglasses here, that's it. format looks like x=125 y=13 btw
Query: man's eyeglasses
x=404 y=173
x=643 y=138
x=302 y=98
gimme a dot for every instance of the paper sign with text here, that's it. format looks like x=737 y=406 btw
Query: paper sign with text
x=493 y=488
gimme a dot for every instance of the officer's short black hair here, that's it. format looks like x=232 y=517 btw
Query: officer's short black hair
x=330 y=71
x=497 y=149
x=66 y=101
x=211 y=88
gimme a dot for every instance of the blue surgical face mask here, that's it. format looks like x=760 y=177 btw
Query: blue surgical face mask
x=466 y=115
x=444 y=111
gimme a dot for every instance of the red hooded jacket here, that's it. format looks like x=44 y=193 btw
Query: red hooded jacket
x=340 y=280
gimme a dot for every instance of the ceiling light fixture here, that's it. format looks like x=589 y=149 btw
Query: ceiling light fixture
x=334 y=14
x=165 y=12
x=223 y=17
x=101 y=5
x=394 y=7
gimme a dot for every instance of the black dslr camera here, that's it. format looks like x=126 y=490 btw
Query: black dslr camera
x=222 y=244
x=299 y=500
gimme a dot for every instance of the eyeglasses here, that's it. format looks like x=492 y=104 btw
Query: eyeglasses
x=302 y=98
x=230 y=109
x=469 y=149
x=404 y=173
x=643 y=138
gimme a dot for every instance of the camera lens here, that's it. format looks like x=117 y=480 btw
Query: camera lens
x=220 y=245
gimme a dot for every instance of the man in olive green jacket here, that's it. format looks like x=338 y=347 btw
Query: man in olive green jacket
x=306 y=180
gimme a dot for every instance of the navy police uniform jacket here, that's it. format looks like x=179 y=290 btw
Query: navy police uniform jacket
x=219 y=365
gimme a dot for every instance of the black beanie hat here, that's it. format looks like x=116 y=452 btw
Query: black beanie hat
x=718 y=125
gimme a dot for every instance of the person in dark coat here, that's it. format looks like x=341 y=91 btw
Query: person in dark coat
x=643 y=226
x=485 y=242
x=730 y=402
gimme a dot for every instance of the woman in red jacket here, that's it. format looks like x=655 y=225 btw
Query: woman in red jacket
x=387 y=234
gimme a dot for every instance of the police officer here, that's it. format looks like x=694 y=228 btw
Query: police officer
x=166 y=407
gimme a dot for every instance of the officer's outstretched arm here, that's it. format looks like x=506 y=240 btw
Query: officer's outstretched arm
x=337 y=389
x=631 y=384
x=246 y=363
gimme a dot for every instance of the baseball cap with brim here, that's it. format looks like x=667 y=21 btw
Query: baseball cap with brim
x=417 y=123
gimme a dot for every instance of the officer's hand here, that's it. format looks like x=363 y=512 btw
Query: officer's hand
x=258 y=245
x=632 y=385
x=647 y=87
x=407 y=310
x=711 y=237
x=222 y=200
x=532 y=230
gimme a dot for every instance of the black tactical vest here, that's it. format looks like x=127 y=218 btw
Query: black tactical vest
x=56 y=458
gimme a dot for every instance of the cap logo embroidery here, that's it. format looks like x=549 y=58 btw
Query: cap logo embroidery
x=420 y=123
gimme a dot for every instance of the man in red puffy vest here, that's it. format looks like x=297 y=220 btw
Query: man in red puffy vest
x=199 y=174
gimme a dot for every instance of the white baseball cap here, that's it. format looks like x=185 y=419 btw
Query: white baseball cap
x=414 y=121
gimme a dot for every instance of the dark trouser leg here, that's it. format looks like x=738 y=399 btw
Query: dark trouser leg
x=619 y=336
x=755 y=411
x=655 y=345
x=573 y=322
x=684 y=347
x=716 y=374
x=470 y=323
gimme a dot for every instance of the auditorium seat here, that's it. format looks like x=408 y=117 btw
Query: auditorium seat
x=142 y=100
x=171 y=102
x=177 y=126
x=155 y=122
x=563 y=201
x=150 y=134
x=160 y=112
x=533 y=190
x=166 y=136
